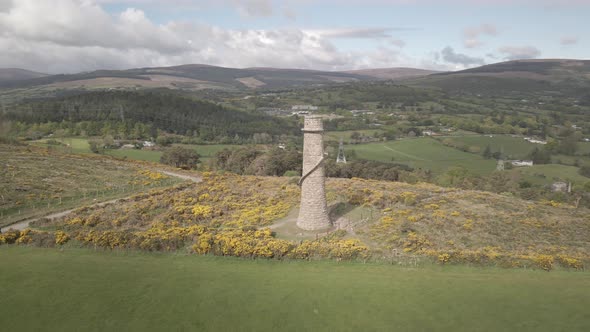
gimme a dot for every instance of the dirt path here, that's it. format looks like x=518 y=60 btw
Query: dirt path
x=196 y=179
x=25 y=223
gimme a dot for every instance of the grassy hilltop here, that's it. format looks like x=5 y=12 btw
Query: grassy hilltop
x=391 y=221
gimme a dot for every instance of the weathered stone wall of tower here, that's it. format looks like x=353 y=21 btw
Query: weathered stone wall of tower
x=313 y=213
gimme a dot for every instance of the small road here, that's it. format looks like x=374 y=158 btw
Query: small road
x=25 y=223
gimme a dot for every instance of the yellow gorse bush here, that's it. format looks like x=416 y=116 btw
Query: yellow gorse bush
x=224 y=215
x=61 y=237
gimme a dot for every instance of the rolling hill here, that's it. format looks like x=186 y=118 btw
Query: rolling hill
x=199 y=76
x=520 y=77
x=16 y=74
x=191 y=77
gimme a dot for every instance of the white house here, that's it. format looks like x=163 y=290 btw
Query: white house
x=304 y=108
x=536 y=141
x=560 y=187
x=520 y=163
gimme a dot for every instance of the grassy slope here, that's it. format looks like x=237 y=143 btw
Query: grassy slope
x=73 y=290
x=36 y=181
x=423 y=153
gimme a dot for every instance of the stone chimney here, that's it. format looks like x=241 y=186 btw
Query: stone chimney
x=313 y=213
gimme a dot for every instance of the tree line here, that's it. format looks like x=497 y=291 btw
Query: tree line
x=143 y=113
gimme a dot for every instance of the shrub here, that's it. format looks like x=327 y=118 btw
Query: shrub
x=544 y=261
x=569 y=262
x=444 y=258
x=61 y=238
x=9 y=237
x=180 y=157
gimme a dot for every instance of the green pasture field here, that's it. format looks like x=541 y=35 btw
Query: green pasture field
x=547 y=174
x=571 y=160
x=583 y=148
x=513 y=147
x=80 y=145
x=345 y=135
x=77 y=145
x=134 y=154
x=86 y=290
x=424 y=153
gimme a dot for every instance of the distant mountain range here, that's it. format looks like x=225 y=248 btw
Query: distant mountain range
x=197 y=76
x=16 y=74
x=393 y=73
x=505 y=76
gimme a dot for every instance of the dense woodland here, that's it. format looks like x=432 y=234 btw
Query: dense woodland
x=142 y=114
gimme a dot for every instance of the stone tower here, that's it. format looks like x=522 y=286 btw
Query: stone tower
x=313 y=213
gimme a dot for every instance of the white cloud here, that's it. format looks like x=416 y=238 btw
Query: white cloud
x=371 y=33
x=379 y=34
x=519 y=52
x=472 y=35
x=254 y=8
x=78 y=35
x=568 y=40
x=5 y=5
x=449 y=55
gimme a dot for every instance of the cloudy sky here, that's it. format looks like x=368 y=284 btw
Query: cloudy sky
x=66 y=36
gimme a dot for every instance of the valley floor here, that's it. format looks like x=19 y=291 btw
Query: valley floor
x=80 y=289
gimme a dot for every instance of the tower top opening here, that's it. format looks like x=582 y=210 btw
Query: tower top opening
x=313 y=123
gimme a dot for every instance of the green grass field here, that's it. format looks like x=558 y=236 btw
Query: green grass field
x=207 y=151
x=583 y=147
x=345 y=135
x=571 y=160
x=81 y=146
x=77 y=145
x=423 y=153
x=134 y=154
x=547 y=174
x=513 y=147
x=84 y=290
